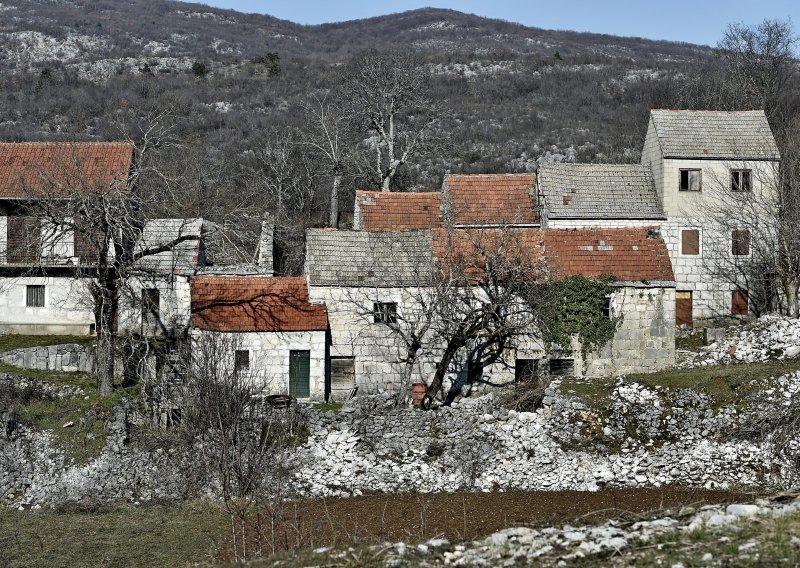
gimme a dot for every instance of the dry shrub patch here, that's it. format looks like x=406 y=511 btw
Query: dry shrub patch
x=463 y=516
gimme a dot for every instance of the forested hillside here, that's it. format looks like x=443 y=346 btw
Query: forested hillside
x=225 y=98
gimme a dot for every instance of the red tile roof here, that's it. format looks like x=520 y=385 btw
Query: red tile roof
x=387 y=211
x=492 y=199
x=31 y=167
x=254 y=303
x=509 y=249
x=630 y=254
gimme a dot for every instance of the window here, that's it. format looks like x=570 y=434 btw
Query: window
x=740 y=303
x=385 y=312
x=150 y=302
x=740 y=242
x=690 y=242
x=34 y=296
x=606 y=313
x=526 y=370
x=562 y=367
x=241 y=360
x=740 y=180
x=691 y=180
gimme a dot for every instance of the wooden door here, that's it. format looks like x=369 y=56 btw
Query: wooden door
x=300 y=374
x=683 y=308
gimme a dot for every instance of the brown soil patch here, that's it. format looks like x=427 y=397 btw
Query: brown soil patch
x=462 y=516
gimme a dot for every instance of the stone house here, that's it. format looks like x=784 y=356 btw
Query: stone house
x=40 y=288
x=270 y=330
x=365 y=277
x=156 y=298
x=701 y=160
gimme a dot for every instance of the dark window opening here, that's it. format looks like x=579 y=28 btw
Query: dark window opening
x=241 y=360
x=690 y=242
x=150 y=303
x=34 y=296
x=606 y=312
x=562 y=367
x=740 y=303
x=385 y=312
x=526 y=370
x=740 y=242
x=740 y=180
x=691 y=180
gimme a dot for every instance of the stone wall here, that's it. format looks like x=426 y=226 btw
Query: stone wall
x=638 y=437
x=642 y=437
x=645 y=339
x=70 y=357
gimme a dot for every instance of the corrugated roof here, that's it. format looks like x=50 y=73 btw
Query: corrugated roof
x=182 y=257
x=726 y=135
x=629 y=254
x=47 y=167
x=254 y=303
x=599 y=191
x=393 y=211
x=491 y=199
x=360 y=258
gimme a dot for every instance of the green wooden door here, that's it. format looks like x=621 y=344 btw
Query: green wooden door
x=300 y=373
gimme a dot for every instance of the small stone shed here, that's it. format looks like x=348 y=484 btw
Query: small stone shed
x=272 y=331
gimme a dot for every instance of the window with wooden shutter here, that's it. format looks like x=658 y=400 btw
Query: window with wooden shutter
x=683 y=308
x=690 y=242
x=24 y=240
x=740 y=242
x=740 y=303
x=34 y=296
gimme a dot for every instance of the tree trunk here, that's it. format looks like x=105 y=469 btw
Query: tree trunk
x=444 y=364
x=405 y=379
x=106 y=319
x=334 y=213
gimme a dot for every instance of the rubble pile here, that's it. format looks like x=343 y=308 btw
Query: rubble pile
x=769 y=337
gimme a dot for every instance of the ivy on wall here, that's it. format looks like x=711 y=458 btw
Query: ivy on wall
x=574 y=307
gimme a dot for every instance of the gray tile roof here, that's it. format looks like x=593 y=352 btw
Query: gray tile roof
x=183 y=257
x=726 y=135
x=359 y=258
x=599 y=191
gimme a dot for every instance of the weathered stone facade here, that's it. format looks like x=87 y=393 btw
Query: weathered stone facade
x=645 y=339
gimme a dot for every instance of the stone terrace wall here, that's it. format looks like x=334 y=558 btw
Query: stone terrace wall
x=70 y=357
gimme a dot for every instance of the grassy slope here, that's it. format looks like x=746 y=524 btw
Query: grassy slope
x=725 y=384
x=126 y=536
x=16 y=341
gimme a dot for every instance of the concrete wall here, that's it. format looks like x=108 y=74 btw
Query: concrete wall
x=67 y=308
x=269 y=357
x=645 y=339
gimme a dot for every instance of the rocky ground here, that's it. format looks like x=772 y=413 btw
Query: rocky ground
x=711 y=535
x=769 y=337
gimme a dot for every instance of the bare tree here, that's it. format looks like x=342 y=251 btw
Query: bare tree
x=761 y=64
x=391 y=101
x=105 y=222
x=324 y=133
x=754 y=209
x=241 y=442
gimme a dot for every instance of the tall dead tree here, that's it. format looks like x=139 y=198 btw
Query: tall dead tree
x=390 y=101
